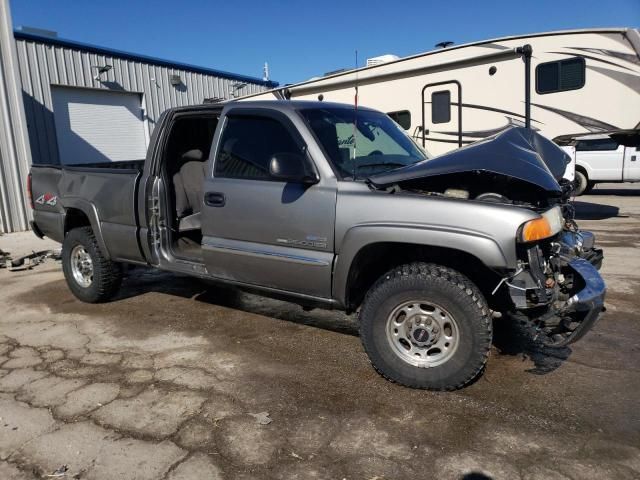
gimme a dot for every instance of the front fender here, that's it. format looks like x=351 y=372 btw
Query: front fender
x=480 y=245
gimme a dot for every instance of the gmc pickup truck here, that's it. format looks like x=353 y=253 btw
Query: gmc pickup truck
x=332 y=206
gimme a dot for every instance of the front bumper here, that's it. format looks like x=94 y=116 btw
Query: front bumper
x=558 y=292
x=588 y=303
x=582 y=244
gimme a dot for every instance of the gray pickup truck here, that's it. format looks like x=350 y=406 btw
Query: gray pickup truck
x=332 y=206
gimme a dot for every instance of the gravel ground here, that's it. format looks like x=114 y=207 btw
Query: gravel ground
x=172 y=379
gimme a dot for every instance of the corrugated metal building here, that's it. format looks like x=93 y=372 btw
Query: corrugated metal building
x=83 y=104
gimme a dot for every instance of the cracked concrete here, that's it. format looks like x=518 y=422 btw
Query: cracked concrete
x=161 y=382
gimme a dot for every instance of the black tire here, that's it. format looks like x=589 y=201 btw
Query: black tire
x=454 y=293
x=581 y=183
x=590 y=186
x=107 y=275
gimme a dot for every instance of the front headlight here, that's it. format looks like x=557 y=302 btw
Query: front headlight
x=548 y=225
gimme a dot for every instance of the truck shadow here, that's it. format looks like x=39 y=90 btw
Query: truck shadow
x=508 y=339
x=594 y=211
x=142 y=280
x=618 y=192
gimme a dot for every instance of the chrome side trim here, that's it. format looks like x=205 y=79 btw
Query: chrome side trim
x=266 y=254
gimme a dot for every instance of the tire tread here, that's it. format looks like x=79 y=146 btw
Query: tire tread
x=107 y=274
x=471 y=295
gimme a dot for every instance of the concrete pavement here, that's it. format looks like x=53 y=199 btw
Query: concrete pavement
x=166 y=383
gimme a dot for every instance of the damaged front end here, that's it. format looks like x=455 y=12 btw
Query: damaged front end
x=557 y=291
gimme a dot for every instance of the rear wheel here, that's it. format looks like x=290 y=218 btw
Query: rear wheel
x=426 y=326
x=90 y=276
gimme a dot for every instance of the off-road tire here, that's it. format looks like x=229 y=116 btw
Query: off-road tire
x=582 y=184
x=443 y=286
x=107 y=275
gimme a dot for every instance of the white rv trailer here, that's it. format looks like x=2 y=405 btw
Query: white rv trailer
x=582 y=81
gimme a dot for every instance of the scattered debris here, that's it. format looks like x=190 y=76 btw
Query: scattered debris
x=60 y=472
x=262 y=418
x=27 y=262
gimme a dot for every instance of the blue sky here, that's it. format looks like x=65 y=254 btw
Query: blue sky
x=301 y=39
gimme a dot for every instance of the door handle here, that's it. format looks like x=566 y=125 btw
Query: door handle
x=214 y=199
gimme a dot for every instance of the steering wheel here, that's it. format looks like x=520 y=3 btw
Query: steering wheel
x=375 y=152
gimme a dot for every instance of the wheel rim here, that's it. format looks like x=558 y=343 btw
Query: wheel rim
x=81 y=266
x=422 y=333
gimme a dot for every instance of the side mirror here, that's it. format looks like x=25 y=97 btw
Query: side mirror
x=291 y=167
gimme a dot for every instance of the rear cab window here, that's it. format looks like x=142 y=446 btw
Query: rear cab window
x=402 y=118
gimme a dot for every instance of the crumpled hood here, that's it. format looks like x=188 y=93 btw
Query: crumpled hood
x=517 y=152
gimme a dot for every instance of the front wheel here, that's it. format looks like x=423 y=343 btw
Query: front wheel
x=90 y=276
x=426 y=326
x=582 y=184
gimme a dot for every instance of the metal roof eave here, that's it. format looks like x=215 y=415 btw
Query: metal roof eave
x=18 y=35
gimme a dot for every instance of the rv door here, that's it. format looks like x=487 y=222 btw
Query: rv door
x=441 y=128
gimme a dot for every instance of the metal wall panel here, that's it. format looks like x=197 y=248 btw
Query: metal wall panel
x=40 y=63
x=14 y=147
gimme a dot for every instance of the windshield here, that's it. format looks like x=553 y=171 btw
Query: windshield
x=363 y=144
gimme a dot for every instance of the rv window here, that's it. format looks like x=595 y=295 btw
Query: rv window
x=441 y=107
x=600 y=144
x=402 y=118
x=560 y=76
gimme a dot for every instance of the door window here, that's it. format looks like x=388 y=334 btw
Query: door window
x=247 y=145
x=597 y=145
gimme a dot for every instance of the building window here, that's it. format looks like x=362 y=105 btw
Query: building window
x=402 y=118
x=441 y=107
x=560 y=76
x=596 y=145
x=247 y=145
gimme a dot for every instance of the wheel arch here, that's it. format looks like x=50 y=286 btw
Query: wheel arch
x=584 y=169
x=368 y=255
x=81 y=213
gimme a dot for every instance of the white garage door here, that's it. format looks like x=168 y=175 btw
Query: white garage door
x=95 y=126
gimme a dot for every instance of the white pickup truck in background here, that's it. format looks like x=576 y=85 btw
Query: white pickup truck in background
x=605 y=158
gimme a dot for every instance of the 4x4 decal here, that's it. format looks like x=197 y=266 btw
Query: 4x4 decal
x=47 y=199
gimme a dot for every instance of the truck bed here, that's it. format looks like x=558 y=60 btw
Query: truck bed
x=105 y=192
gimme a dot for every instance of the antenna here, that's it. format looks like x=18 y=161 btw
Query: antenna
x=355 y=120
x=265 y=72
